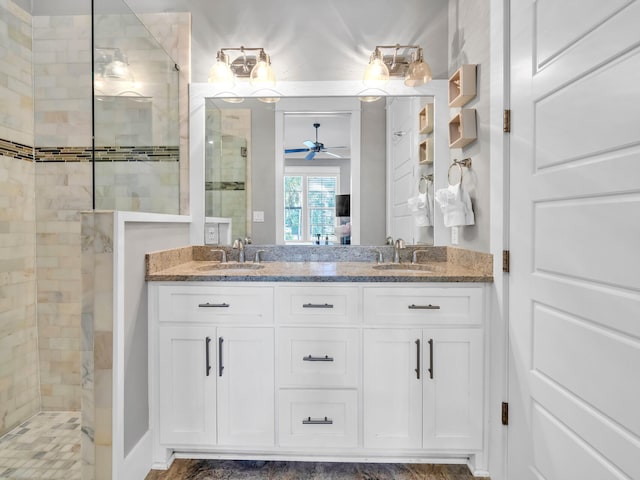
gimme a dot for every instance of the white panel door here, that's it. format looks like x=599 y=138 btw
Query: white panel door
x=187 y=386
x=246 y=393
x=452 y=372
x=574 y=329
x=392 y=389
x=402 y=146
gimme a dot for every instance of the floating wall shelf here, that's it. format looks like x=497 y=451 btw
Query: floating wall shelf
x=425 y=155
x=462 y=85
x=426 y=118
x=462 y=128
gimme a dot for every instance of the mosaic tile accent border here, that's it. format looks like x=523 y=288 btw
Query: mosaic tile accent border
x=16 y=150
x=109 y=154
x=163 y=153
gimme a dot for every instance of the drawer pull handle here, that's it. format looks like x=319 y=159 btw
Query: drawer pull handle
x=208 y=341
x=214 y=305
x=319 y=421
x=317 y=305
x=424 y=307
x=220 y=365
x=311 y=358
x=431 y=358
x=417 y=370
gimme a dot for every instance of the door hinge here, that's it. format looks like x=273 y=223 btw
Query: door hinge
x=506 y=121
x=506 y=261
x=505 y=413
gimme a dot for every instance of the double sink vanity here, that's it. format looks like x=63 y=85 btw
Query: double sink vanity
x=319 y=353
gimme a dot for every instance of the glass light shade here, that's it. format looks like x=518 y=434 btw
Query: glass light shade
x=262 y=75
x=368 y=99
x=222 y=75
x=376 y=74
x=418 y=74
x=233 y=99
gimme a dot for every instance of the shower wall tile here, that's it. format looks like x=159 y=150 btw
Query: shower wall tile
x=19 y=390
x=62 y=80
x=16 y=77
x=97 y=345
x=64 y=189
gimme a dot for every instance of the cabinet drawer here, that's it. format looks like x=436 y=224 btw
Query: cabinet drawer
x=420 y=305
x=192 y=303
x=317 y=303
x=319 y=357
x=318 y=418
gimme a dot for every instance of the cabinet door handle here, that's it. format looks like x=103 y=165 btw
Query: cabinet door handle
x=317 y=305
x=431 y=358
x=317 y=421
x=311 y=358
x=220 y=365
x=214 y=305
x=208 y=341
x=424 y=307
x=418 y=359
x=399 y=133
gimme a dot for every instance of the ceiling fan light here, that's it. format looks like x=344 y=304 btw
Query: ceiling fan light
x=376 y=74
x=262 y=74
x=221 y=74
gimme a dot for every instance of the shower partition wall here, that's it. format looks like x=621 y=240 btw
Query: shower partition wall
x=135 y=112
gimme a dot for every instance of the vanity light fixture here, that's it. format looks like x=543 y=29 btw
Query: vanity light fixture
x=256 y=67
x=406 y=61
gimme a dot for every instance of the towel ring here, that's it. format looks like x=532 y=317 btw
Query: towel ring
x=458 y=163
x=426 y=180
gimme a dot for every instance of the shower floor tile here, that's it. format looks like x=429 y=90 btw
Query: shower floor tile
x=45 y=446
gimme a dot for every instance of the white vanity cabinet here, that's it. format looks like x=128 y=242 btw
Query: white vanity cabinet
x=318 y=370
x=423 y=379
x=215 y=366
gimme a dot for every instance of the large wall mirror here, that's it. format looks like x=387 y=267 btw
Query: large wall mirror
x=313 y=169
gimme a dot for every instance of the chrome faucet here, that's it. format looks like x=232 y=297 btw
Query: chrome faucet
x=257 y=257
x=399 y=245
x=223 y=254
x=379 y=258
x=414 y=257
x=237 y=243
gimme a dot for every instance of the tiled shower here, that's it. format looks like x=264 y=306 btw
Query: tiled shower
x=48 y=170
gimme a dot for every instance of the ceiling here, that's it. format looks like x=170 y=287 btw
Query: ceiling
x=310 y=40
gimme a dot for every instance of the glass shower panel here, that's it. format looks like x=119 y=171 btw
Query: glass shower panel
x=227 y=167
x=136 y=135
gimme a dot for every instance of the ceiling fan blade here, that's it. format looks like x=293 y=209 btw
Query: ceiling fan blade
x=295 y=150
x=310 y=155
x=309 y=144
x=335 y=148
x=333 y=154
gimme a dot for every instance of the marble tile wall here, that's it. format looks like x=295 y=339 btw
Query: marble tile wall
x=97 y=344
x=62 y=80
x=63 y=190
x=16 y=86
x=19 y=391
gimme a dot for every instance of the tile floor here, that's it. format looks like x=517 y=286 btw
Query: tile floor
x=47 y=446
x=239 y=470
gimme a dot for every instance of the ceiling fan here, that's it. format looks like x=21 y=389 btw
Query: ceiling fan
x=314 y=147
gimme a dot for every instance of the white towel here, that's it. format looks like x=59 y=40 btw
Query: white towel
x=455 y=205
x=420 y=209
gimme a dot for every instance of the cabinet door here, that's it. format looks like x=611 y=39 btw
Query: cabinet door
x=245 y=386
x=392 y=388
x=452 y=371
x=187 y=387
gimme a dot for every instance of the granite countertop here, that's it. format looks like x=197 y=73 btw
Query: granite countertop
x=442 y=264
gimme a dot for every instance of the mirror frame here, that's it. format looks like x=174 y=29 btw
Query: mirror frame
x=199 y=92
